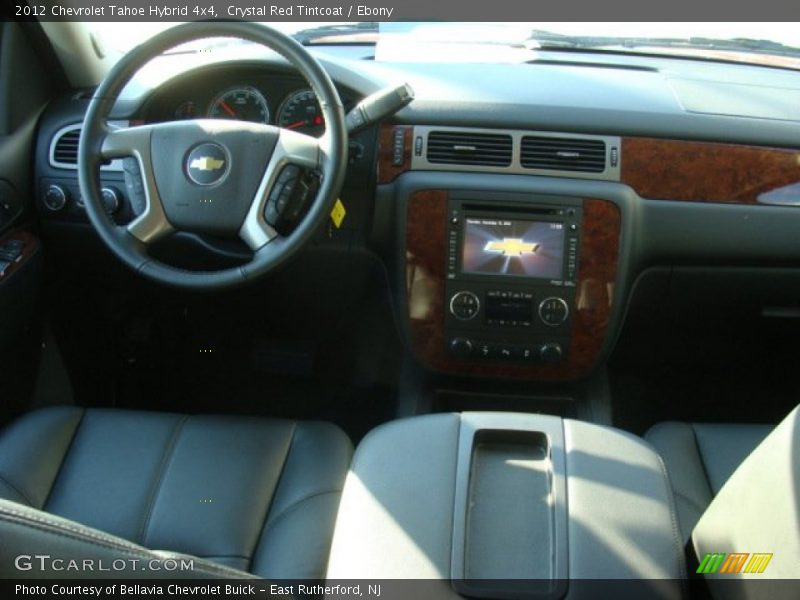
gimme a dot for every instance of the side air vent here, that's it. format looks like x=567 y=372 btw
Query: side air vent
x=65 y=147
x=467 y=148
x=563 y=154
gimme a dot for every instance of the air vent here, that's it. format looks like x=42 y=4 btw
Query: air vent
x=65 y=149
x=457 y=148
x=563 y=154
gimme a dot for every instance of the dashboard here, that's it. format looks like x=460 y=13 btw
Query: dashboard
x=515 y=207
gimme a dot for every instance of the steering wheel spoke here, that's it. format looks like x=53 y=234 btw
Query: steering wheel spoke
x=126 y=141
x=152 y=224
x=292 y=149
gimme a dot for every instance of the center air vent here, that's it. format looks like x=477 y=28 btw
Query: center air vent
x=563 y=154
x=65 y=147
x=456 y=148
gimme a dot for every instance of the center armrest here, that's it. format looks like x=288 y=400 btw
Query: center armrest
x=506 y=505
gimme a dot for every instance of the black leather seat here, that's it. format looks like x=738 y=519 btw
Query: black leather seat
x=254 y=494
x=700 y=457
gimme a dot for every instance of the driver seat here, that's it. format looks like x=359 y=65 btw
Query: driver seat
x=241 y=494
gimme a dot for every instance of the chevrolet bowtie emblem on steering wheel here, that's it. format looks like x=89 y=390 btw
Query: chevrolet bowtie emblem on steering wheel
x=207 y=163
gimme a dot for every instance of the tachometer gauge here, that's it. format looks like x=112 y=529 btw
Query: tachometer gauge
x=301 y=112
x=242 y=103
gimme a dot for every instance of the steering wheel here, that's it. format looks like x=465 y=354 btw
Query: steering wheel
x=208 y=176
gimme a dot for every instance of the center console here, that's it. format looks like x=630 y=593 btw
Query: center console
x=511 y=273
x=511 y=285
x=508 y=505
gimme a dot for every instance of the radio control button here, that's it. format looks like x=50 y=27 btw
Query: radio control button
x=460 y=347
x=550 y=353
x=485 y=351
x=464 y=306
x=505 y=352
x=553 y=311
x=525 y=353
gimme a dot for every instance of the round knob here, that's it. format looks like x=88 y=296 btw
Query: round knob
x=461 y=347
x=55 y=197
x=464 y=306
x=553 y=311
x=111 y=199
x=550 y=353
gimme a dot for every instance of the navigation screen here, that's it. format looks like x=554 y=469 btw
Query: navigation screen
x=513 y=247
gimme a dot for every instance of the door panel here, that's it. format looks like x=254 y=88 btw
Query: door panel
x=24 y=91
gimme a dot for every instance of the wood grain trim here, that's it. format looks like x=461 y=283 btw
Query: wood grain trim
x=30 y=247
x=387 y=170
x=709 y=172
x=425 y=284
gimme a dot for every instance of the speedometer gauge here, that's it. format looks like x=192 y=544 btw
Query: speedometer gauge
x=301 y=112
x=242 y=103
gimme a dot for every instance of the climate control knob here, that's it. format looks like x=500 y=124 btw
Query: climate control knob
x=111 y=199
x=55 y=197
x=551 y=353
x=464 y=306
x=553 y=311
x=460 y=347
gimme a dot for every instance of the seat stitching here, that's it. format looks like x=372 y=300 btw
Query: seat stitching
x=702 y=462
x=17 y=490
x=82 y=535
x=63 y=460
x=265 y=518
x=677 y=538
x=166 y=459
x=4 y=511
x=295 y=504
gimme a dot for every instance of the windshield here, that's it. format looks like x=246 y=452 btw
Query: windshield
x=776 y=44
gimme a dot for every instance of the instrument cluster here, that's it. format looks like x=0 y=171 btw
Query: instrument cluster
x=278 y=100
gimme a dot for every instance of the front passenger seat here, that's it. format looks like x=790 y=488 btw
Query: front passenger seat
x=251 y=494
x=754 y=519
x=700 y=457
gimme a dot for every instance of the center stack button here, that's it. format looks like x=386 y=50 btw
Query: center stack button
x=464 y=306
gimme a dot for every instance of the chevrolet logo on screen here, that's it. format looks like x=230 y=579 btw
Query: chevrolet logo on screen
x=511 y=247
x=207 y=163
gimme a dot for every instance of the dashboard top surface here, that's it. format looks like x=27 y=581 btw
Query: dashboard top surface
x=591 y=93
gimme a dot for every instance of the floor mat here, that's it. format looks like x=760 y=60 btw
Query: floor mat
x=233 y=354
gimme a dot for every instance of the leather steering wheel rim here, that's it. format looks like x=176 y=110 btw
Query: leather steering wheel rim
x=275 y=251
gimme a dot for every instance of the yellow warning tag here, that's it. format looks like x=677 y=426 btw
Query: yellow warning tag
x=338 y=213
